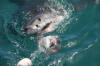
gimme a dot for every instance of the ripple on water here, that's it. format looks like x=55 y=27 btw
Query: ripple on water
x=78 y=35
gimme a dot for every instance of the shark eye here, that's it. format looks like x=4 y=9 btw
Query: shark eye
x=39 y=19
x=37 y=25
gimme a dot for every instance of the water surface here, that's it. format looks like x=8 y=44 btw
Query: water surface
x=79 y=33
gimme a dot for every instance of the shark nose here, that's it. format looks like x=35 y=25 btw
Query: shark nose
x=28 y=30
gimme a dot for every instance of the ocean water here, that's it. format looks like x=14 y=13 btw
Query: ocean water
x=79 y=34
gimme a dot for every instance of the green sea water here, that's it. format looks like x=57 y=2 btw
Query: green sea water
x=79 y=34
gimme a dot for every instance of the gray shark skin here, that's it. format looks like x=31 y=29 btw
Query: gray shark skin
x=44 y=22
x=37 y=17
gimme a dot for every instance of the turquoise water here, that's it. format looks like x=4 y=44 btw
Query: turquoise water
x=79 y=33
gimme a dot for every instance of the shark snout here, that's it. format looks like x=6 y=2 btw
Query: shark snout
x=30 y=30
